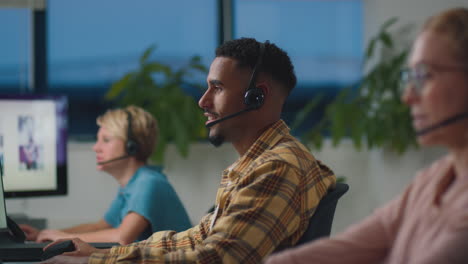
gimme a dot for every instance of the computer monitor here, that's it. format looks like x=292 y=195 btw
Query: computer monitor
x=33 y=145
x=3 y=216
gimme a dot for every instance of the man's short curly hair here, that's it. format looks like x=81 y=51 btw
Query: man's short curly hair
x=275 y=62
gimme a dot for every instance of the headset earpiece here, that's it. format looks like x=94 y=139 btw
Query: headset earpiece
x=131 y=146
x=254 y=96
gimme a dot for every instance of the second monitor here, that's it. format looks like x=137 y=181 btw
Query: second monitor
x=33 y=145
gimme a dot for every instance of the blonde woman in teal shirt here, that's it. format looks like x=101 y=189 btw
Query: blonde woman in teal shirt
x=145 y=202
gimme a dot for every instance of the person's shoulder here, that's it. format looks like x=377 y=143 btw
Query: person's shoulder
x=148 y=174
x=291 y=152
x=150 y=170
x=436 y=168
x=288 y=147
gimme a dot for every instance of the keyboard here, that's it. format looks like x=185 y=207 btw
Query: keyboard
x=32 y=251
x=21 y=251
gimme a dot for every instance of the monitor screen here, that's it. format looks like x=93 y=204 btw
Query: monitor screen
x=33 y=145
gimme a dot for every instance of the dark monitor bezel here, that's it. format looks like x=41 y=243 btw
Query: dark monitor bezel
x=4 y=212
x=61 y=168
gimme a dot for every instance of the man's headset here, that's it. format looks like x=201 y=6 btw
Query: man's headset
x=131 y=146
x=254 y=96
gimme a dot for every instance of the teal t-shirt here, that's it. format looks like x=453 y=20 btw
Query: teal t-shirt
x=149 y=194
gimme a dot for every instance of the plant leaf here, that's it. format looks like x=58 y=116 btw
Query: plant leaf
x=372 y=113
x=386 y=39
x=144 y=58
x=304 y=112
x=118 y=87
x=158 y=88
x=388 y=23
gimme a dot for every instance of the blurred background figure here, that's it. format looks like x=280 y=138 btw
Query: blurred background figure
x=428 y=223
x=145 y=202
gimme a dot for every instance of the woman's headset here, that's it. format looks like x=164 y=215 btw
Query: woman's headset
x=131 y=146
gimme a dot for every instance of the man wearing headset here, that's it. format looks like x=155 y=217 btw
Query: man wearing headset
x=267 y=196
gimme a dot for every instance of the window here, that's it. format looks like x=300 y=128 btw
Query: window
x=323 y=38
x=90 y=44
x=15 y=50
x=95 y=42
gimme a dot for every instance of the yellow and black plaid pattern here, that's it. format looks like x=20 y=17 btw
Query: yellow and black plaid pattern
x=264 y=203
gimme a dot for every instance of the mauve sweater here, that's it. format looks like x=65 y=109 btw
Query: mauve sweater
x=427 y=223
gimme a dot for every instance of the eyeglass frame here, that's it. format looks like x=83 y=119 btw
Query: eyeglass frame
x=410 y=78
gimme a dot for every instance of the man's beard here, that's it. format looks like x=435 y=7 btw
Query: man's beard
x=216 y=140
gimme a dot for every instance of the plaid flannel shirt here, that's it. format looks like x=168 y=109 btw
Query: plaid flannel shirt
x=264 y=203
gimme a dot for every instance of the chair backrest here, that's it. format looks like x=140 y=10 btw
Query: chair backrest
x=320 y=223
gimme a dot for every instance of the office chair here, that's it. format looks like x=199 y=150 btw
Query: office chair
x=320 y=223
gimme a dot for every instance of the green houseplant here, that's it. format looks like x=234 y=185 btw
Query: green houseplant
x=158 y=88
x=370 y=113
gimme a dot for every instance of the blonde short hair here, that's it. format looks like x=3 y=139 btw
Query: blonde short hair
x=144 y=128
x=452 y=23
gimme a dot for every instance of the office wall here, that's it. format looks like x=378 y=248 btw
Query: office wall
x=408 y=11
x=374 y=176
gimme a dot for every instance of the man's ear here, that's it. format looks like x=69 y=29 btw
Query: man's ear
x=266 y=89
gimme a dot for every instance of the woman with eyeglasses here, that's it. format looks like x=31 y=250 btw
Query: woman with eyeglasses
x=428 y=222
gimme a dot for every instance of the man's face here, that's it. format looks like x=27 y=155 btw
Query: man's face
x=224 y=96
